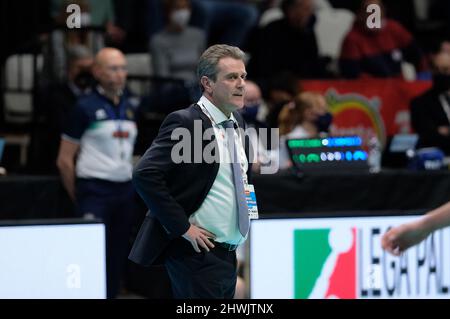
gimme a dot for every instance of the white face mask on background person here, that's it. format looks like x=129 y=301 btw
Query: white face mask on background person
x=180 y=17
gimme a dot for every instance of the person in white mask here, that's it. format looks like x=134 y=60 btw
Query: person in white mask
x=176 y=49
x=179 y=18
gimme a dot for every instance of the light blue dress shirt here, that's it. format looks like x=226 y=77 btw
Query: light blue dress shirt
x=219 y=212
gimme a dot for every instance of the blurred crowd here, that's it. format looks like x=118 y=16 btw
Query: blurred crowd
x=285 y=41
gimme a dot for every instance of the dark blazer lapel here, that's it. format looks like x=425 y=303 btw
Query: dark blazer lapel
x=207 y=125
x=206 y=122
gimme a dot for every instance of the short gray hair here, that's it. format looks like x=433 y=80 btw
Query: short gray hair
x=78 y=52
x=207 y=65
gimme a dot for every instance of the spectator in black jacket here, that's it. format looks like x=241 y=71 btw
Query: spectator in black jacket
x=430 y=112
x=288 y=44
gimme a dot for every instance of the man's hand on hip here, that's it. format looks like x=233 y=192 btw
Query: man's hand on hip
x=198 y=236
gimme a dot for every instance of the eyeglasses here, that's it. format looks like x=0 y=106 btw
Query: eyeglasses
x=117 y=68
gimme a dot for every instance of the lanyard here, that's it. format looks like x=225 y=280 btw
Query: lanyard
x=110 y=110
x=113 y=115
x=206 y=112
x=118 y=122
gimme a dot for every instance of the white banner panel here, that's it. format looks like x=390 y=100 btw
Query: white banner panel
x=341 y=257
x=52 y=261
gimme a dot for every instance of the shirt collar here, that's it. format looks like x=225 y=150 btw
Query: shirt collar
x=215 y=113
x=102 y=93
x=76 y=90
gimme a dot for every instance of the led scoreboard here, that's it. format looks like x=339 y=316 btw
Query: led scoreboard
x=328 y=154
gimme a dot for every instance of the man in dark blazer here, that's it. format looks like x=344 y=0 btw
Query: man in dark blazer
x=194 y=220
x=430 y=112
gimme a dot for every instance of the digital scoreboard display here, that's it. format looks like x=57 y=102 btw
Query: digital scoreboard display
x=328 y=154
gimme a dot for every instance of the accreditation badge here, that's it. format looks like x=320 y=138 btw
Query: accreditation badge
x=251 y=201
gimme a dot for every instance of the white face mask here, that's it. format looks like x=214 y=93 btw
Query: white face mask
x=180 y=17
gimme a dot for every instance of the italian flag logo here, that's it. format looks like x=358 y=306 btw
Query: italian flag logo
x=325 y=263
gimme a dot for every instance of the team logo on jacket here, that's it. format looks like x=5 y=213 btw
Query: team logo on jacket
x=100 y=114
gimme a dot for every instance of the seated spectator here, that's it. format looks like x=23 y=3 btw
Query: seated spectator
x=280 y=90
x=97 y=27
x=56 y=104
x=227 y=22
x=430 y=112
x=378 y=52
x=298 y=119
x=288 y=44
x=223 y=21
x=176 y=49
x=94 y=14
x=254 y=113
x=175 y=52
x=324 y=116
x=255 y=109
